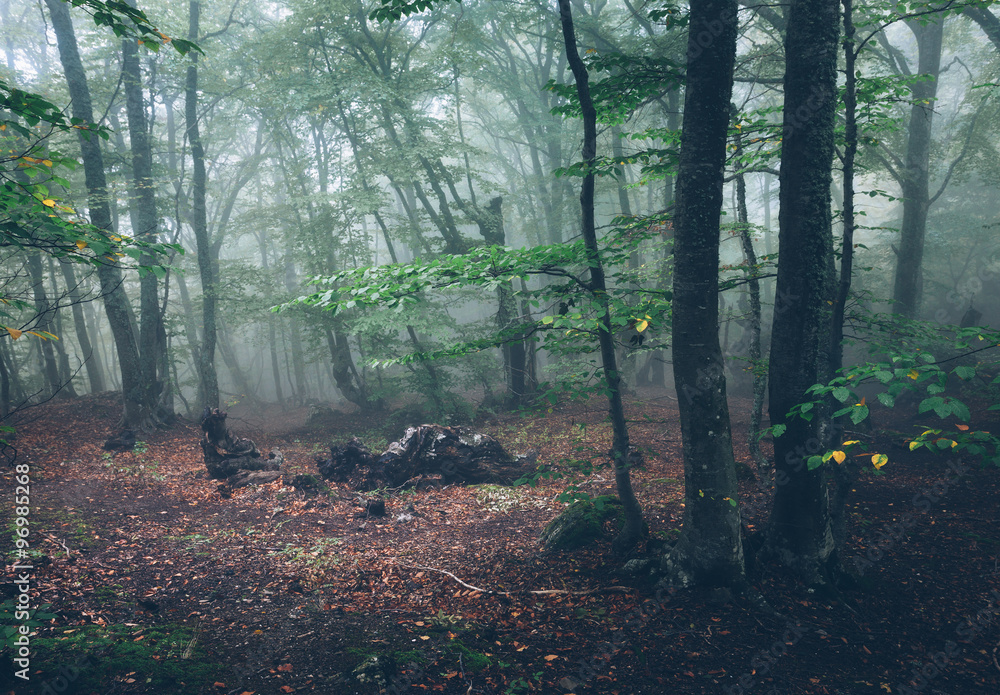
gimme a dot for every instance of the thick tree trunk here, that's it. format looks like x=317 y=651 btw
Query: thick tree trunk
x=709 y=551
x=799 y=533
x=136 y=412
x=209 y=380
x=916 y=174
x=632 y=528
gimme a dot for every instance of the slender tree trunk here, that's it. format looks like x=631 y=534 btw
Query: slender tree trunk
x=208 y=378
x=916 y=174
x=142 y=213
x=271 y=338
x=136 y=412
x=50 y=370
x=799 y=531
x=65 y=371
x=753 y=287
x=91 y=360
x=4 y=381
x=846 y=473
x=632 y=529
x=709 y=551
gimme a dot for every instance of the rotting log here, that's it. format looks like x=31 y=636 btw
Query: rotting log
x=225 y=454
x=456 y=454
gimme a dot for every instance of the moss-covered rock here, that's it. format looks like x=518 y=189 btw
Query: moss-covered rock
x=581 y=523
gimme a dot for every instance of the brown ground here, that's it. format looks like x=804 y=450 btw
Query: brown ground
x=275 y=592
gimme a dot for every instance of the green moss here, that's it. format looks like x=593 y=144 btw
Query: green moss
x=166 y=659
x=581 y=523
x=472 y=660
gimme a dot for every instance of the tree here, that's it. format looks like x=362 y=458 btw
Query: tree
x=799 y=531
x=138 y=409
x=208 y=379
x=709 y=551
x=914 y=175
x=632 y=528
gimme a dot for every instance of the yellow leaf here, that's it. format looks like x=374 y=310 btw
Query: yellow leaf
x=879 y=460
x=47 y=162
x=914 y=445
x=14 y=333
x=48 y=202
x=852 y=442
x=862 y=402
x=913 y=374
x=81 y=244
x=641 y=326
x=839 y=456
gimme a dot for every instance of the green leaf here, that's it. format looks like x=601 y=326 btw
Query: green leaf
x=814 y=462
x=886 y=400
x=841 y=393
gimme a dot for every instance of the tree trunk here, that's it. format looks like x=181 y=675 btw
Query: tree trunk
x=799 y=533
x=91 y=360
x=50 y=370
x=632 y=528
x=142 y=213
x=709 y=551
x=65 y=371
x=209 y=380
x=916 y=174
x=754 y=323
x=136 y=413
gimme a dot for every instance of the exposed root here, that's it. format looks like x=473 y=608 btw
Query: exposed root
x=520 y=592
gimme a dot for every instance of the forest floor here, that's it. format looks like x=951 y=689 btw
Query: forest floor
x=159 y=585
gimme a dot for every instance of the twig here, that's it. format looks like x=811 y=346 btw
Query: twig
x=56 y=540
x=194 y=640
x=535 y=592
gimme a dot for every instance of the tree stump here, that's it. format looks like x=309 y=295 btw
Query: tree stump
x=225 y=454
x=456 y=454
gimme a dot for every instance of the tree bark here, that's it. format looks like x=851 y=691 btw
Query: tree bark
x=136 y=413
x=142 y=213
x=754 y=353
x=43 y=323
x=799 y=533
x=632 y=528
x=709 y=551
x=209 y=380
x=916 y=174
x=91 y=360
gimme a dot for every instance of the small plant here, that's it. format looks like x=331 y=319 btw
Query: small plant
x=10 y=620
x=522 y=684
